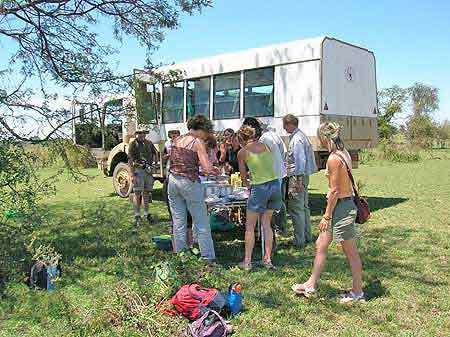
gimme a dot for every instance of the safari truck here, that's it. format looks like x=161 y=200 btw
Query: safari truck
x=319 y=79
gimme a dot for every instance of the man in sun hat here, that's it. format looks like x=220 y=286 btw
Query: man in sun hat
x=141 y=154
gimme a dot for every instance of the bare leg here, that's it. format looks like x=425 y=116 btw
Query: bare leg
x=322 y=244
x=145 y=200
x=351 y=251
x=250 y=235
x=268 y=234
x=137 y=203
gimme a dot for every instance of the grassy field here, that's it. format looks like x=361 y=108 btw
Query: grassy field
x=108 y=282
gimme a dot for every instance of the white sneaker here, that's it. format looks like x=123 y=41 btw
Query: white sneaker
x=351 y=297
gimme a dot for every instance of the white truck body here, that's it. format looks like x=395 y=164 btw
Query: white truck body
x=314 y=79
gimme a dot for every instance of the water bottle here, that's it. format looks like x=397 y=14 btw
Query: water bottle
x=52 y=274
x=235 y=298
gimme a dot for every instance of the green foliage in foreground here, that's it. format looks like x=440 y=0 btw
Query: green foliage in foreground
x=108 y=287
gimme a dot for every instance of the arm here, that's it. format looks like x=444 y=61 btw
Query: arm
x=153 y=153
x=223 y=152
x=242 y=169
x=333 y=193
x=300 y=157
x=300 y=164
x=131 y=159
x=206 y=165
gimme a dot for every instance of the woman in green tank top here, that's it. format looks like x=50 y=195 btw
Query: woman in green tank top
x=265 y=192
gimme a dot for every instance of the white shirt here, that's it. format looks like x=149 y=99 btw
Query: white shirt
x=276 y=145
x=300 y=156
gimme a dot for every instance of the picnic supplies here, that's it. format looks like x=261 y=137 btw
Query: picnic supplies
x=163 y=242
x=210 y=324
x=235 y=298
x=193 y=300
x=362 y=205
x=165 y=274
x=220 y=223
x=43 y=276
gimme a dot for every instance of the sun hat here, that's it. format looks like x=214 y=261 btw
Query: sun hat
x=141 y=129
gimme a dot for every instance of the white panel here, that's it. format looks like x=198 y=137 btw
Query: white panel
x=308 y=124
x=349 y=83
x=222 y=124
x=296 y=51
x=297 y=89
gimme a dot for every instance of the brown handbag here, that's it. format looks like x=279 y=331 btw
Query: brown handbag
x=363 y=213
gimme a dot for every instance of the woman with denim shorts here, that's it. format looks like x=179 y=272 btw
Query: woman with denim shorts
x=265 y=192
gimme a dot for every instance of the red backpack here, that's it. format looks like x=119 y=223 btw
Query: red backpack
x=193 y=300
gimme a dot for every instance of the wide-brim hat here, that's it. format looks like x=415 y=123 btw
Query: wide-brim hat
x=141 y=130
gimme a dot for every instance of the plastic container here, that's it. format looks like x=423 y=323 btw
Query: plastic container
x=235 y=298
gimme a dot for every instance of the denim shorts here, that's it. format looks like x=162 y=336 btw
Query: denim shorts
x=265 y=196
x=144 y=181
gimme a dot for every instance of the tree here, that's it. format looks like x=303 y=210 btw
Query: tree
x=54 y=47
x=391 y=102
x=424 y=99
x=443 y=134
x=421 y=129
x=56 y=42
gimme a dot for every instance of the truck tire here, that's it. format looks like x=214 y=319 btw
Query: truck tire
x=122 y=180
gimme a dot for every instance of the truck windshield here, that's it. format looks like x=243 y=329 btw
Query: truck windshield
x=147 y=99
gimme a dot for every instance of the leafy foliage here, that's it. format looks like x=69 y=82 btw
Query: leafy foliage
x=391 y=151
x=421 y=130
x=424 y=99
x=391 y=103
x=21 y=189
x=58 y=44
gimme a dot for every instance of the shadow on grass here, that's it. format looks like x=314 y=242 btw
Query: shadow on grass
x=318 y=203
x=104 y=230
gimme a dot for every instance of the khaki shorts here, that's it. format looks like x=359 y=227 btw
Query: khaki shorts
x=343 y=221
x=144 y=181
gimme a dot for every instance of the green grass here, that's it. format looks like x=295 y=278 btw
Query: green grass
x=405 y=250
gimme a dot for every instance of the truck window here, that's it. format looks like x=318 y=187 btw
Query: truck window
x=258 y=92
x=173 y=102
x=198 y=94
x=147 y=101
x=227 y=92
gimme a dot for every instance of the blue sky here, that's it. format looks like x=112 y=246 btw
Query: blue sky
x=411 y=39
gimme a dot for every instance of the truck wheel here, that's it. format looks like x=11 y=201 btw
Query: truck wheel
x=122 y=180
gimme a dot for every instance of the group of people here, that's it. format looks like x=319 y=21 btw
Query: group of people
x=277 y=177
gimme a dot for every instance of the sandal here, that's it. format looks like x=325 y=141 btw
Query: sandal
x=268 y=265
x=245 y=266
x=302 y=289
x=350 y=297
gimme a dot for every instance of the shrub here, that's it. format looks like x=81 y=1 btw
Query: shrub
x=60 y=153
x=390 y=151
x=20 y=192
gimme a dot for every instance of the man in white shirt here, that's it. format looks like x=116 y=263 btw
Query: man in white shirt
x=300 y=165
